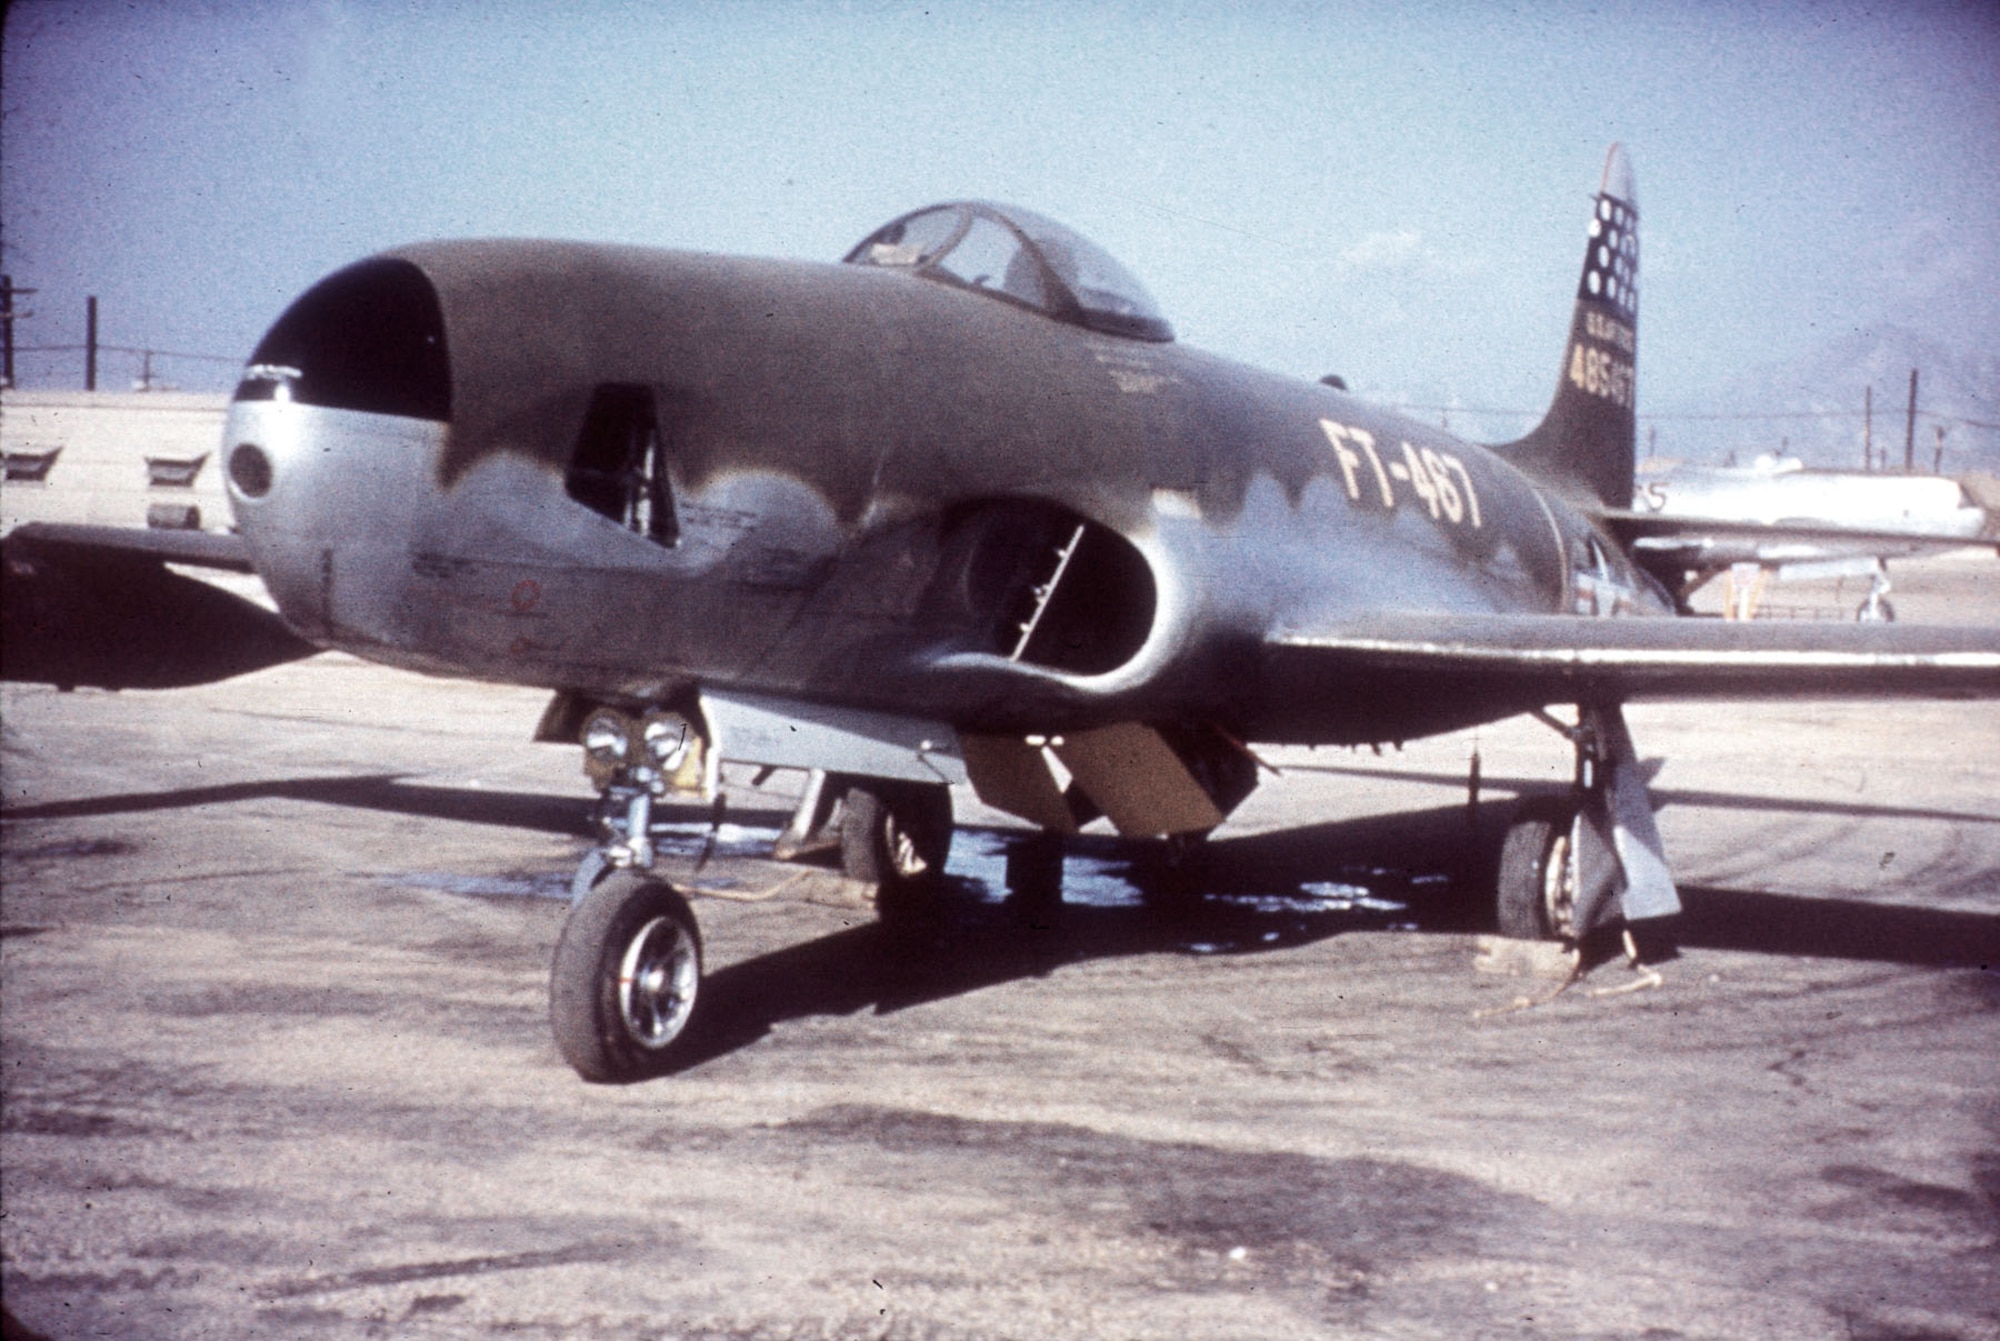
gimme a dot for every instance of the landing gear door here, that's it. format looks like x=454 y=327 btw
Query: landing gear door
x=785 y=733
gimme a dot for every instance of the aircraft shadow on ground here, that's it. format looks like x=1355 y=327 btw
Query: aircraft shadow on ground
x=1420 y=871
x=1256 y=900
x=1664 y=797
x=386 y=792
x=885 y=970
x=1782 y=924
x=1259 y=893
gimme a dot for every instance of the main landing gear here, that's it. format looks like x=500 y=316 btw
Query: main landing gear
x=896 y=837
x=1572 y=864
x=893 y=836
x=1875 y=607
x=1537 y=887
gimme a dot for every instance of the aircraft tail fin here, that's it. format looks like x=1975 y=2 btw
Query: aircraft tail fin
x=1585 y=445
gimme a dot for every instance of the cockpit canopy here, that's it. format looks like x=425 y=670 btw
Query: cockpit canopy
x=1019 y=256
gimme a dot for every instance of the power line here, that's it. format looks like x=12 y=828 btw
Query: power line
x=125 y=349
x=1811 y=414
x=1709 y=417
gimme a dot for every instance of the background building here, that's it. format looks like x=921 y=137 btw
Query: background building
x=113 y=459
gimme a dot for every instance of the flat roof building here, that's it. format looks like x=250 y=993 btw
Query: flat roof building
x=147 y=458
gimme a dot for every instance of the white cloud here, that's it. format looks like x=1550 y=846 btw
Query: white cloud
x=1385 y=250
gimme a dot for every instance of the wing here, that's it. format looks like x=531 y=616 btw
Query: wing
x=1533 y=660
x=97 y=605
x=1668 y=545
x=222 y=550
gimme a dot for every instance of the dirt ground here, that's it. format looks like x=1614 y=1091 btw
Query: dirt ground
x=277 y=1063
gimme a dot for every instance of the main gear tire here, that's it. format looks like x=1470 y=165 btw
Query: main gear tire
x=897 y=836
x=1536 y=887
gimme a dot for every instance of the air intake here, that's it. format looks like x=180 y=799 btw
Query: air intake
x=370 y=338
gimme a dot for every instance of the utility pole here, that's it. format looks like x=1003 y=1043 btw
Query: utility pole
x=7 y=316
x=1910 y=430
x=90 y=343
x=1868 y=428
x=1937 y=457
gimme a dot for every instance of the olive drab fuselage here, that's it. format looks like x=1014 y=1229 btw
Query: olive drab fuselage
x=625 y=472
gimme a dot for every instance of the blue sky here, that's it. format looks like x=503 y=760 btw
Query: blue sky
x=1394 y=192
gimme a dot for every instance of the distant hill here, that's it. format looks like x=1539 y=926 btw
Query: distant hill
x=1826 y=390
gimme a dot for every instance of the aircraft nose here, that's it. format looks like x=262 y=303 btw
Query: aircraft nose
x=334 y=434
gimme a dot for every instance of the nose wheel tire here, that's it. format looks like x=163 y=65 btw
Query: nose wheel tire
x=626 y=980
x=1537 y=883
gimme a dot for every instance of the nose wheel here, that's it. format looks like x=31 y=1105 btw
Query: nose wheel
x=626 y=982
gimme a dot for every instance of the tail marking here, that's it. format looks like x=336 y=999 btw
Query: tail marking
x=1584 y=445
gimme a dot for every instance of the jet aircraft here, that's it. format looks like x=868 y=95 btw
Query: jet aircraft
x=959 y=509
x=1781 y=519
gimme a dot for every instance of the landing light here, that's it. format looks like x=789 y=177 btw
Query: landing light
x=666 y=737
x=607 y=738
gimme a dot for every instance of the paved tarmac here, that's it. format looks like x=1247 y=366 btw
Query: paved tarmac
x=277 y=1063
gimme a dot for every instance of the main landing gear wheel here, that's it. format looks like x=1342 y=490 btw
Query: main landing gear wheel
x=896 y=836
x=1035 y=879
x=1537 y=885
x=626 y=979
x=1173 y=875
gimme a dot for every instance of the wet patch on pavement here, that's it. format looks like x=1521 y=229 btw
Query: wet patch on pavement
x=73 y=848
x=1890 y=1201
x=31 y=1119
x=1299 y=1218
x=267 y=1000
x=447 y=1269
x=504 y=885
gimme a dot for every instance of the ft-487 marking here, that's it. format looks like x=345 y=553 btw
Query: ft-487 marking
x=1440 y=479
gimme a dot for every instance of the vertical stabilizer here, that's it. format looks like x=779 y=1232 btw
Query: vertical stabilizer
x=1584 y=446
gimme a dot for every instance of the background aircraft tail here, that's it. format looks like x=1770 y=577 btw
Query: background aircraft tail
x=1584 y=445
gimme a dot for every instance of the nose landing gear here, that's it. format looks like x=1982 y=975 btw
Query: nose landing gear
x=625 y=985
x=626 y=979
